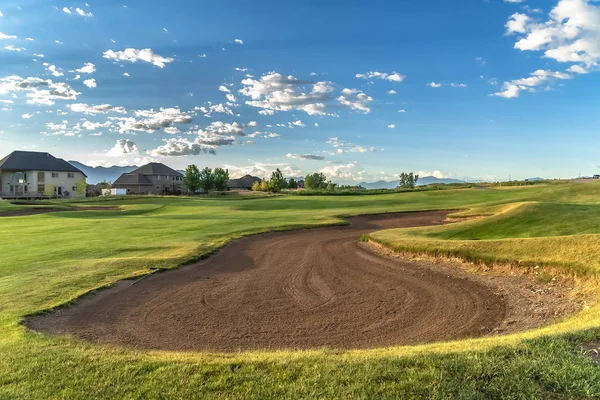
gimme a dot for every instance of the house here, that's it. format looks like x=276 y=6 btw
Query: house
x=243 y=183
x=153 y=178
x=30 y=174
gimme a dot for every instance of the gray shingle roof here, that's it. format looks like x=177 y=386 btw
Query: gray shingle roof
x=243 y=182
x=132 y=179
x=36 y=161
x=156 y=169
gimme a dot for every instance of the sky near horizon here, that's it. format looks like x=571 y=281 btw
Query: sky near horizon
x=359 y=90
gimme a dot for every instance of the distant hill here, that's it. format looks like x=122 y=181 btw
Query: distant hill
x=535 y=179
x=426 y=180
x=102 y=174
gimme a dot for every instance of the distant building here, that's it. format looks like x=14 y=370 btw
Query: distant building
x=31 y=174
x=153 y=178
x=243 y=183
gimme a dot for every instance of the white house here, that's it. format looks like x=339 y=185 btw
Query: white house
x=29 y=174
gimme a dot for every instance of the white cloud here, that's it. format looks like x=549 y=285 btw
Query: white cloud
x=238 y=41
x=58 y=42
x=10 y=47
x=570 y=35
x=393 y=77
x=5 y=36
x=241 y=69
x=223 y=88
x=97 y=109
x=274 y=92
x=224 y=128
x=134 y=55
x=77 y=11
x=305 y=157
x=214 y=108
x=512 y=89
x=514 y=1
x=402 y=111
x=435 y=173
x=123 y=147
x=88 y=68
x=92 y=126
x=252 y=123
x=27 y=116
x=434 y=85
x=458 y=85
x=1 y=15
x=392 y=126
x=153 y=120
x=53 y=69
x=344 y=171
x=355 y=100
x=91 y=83
x=38 y=91
x=391 y=91
x=298 y=123
x=230 y=97
x=38 y=55
x=203 y=143
x=341 y=146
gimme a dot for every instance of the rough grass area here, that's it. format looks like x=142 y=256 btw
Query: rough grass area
x=48 y=260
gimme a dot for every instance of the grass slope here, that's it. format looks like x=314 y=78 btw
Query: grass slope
x=52 y=259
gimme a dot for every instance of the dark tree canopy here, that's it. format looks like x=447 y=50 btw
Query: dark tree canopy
x=408 y=180
x=221 y=179
x=315 y=181
x=191 y=179
x=207 y=181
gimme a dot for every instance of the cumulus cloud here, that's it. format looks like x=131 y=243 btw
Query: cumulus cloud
x=305 y=157
x=38 y=91
x=392 y=126
x=238 y=41
x=391 y=91
x=53 y=69
x=570 y=35
x=341 y=146
x=88 y=68
x=512 y=89
x=214 y=108
x=10 y=47
x=275 y=92
x=224 y=128
x=434 y=85
x=97 y=109
x=355 y=100
x=435 y=173
x=263 y=170
x=344 y=171
x=5 y=36
x=392 y=77
x=458 y=85
x=151 y=120
x=135 y=55
x=91 y=83
x=123 y=147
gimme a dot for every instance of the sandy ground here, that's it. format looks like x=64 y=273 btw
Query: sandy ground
x=304 y=289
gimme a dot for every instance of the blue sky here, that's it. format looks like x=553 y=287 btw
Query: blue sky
x=358 y=90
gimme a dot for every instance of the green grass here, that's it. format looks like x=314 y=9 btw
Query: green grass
x=51 y=259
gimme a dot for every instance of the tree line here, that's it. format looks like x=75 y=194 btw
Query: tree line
x=205 y=179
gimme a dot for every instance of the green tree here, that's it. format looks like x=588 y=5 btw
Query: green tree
x=104 y=185
x=81 y=186
x=277 y=181
x=221 y=179
x=256 y=186
x=292 y=184
x=191 y=179
x=408 y=180
x=315 y=181
x=207 y=179
x=264 y=186
x=331 y=186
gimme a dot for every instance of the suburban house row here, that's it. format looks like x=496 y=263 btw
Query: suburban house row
x=29 y=174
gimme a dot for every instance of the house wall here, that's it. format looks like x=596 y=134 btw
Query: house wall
x=62 y=180
x=166 y=184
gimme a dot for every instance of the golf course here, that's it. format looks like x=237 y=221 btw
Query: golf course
x=542 y=239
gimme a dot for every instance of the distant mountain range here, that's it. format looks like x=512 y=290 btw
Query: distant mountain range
x=102 y=174
x=425 y=180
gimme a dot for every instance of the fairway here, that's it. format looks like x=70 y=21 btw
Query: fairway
x=70 y=253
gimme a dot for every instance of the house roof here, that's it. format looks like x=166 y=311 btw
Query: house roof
x=35 y=161
x=132 y=179
x=245 y=181
x=156 y=169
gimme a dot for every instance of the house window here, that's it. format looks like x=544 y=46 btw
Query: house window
x=74 y=189
x=70 y=175
x=41 y=188
x=25 y=189
x=41 y=176
x=12 y=188
x=55 y=174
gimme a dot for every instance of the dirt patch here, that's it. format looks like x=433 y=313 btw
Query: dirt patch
x=295 y=290
x=36 y=211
